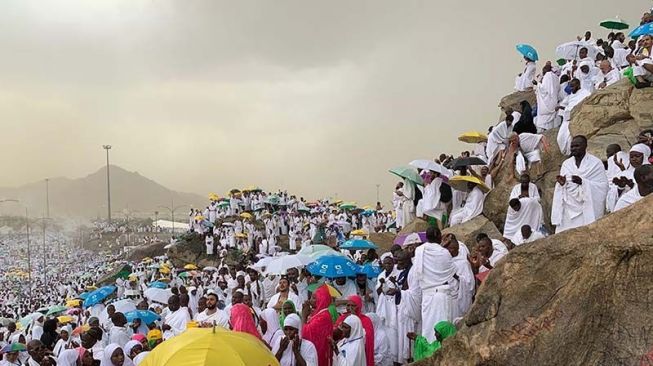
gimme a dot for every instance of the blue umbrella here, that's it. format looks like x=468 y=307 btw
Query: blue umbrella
x=332 y=266
x=368 y=212
x=528 y=51
x=83 y=295
x=642 y=30
x=98 y=295
x=370 y=270
x=146 y=316
x=158 y=284
x=358 y=244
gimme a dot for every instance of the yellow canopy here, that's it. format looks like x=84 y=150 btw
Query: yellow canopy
x=213 y=197
x=459 y=182
x=64 y=319
x=190 y=266
x=472 y=137
x=359 y=232
x=73 y=303
x=241 y=235
x=164 y=270
x=246 y=215
x=211 y=347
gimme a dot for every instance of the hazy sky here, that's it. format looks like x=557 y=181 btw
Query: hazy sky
x=318 y=97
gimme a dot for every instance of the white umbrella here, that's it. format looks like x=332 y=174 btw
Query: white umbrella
x=569 y=50
x=318 y=250
x=430 y=165
x=157 y=294
x=263 y=262
x=280 y=265
x=210 y=269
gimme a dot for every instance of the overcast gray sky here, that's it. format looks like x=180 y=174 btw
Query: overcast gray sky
x=317 y=97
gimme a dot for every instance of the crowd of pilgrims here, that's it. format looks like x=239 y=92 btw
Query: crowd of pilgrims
x=425 y=284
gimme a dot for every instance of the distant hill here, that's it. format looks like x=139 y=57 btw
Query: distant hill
x=87 y=197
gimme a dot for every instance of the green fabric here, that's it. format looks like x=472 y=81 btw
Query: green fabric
x=424 y=349
x=334 y=312
x=282 y=317
x=629 y=74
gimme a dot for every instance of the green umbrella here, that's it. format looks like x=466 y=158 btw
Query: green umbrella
x=614 y=23
x=56 y=310
x=14 y=347
x=408 y=172
x=348 y=206
x=28 y=319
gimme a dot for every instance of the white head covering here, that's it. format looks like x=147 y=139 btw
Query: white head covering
x=293 y=320
x=68 y=358
x=356 y=327
x=385 y=255
x=140 y=357
x=108 y=352
x=130 y=345
x=352 y=349
x=642 y=149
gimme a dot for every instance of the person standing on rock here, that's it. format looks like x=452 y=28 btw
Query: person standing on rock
x=564 y=109
x=581 y=189
x=547 y=93
x=438 y=282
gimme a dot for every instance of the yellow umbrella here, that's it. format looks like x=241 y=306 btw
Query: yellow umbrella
x=190 y=266
x=147 y=260
x=459 y=182
x=241 y=235
x=73 y=303
x=91 y=288
x=359 y=232
x=164 y=270
x=64 y=319
x=472 y=137
x=246 y=215
x=199 y=218
x=213 y=197
x=211 y=347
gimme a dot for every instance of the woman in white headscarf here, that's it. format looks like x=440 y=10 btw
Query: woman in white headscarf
x=272 y=329
x=115 y=356
x=132 y=349
x=350 y=351
x=68 y=357
x=382 y=354
x=290 y=347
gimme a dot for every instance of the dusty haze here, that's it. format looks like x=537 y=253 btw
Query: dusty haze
x=318 y=97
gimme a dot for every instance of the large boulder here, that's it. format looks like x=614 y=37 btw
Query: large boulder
x=512 y=102
x=467 y=231
x=149 y=250
x=581 y=297
x=383 y=240
x=416 y=226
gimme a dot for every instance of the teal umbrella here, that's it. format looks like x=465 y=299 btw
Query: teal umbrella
x=14 y=347
x=409 y=173
x=614 y=23
x=56 y=310
x=347 y=206
x=527 y=51
x=28 y=319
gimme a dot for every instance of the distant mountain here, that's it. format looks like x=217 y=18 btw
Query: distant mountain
x=87 y=197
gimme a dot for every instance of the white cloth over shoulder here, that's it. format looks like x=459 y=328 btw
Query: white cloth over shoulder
x=628 y=199
x=352 y=349
x=576 y=205
x=472 y=208
x=529 y=214
x=532 y=191
x=547 y=93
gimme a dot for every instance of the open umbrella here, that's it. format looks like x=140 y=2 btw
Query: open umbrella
x=614 y=23
x=527 y=51
x=430 y=165
x=464 y=162
x=65 y=319
x=409 y=173
x=281 y=264
x=642 y=30
x=333 y=266
x=158 y=284
x=348 y=206
x=209 y=347
x=83 y=295
x=98 y=295
x=157 y=294
x=124 y=305
x=472 y=137
x=318 y=250
x=263 y=262
x=332 y=290
x=223 y=204
x=14 y=347
x=410 y=238
x=570 y=50
x=56 y=310
x=356 y=244
x=359 y=232
x=371 y=271
x=24 y=321
x=213 y=197
x=210 y=269
x=459 y=182
x=146 y=316
x=74 y=303
x=190 y=266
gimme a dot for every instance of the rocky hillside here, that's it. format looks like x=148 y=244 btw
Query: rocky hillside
x=576 y=298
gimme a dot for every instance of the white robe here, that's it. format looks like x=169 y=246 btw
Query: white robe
x=564 y=135
x=519 y=238
x=499 y=251
x=547 y=93
x=577 y=205
x=615 y=192
x=430 y=204
x=529 y=148
x=628 y=199
x=466 y=280
x=408 y=316
x=177 y=320
x=524 y=81
x=532 y=191
x=387 y=309
x=306 y=349
x=529 y=214
x=473 y=207
x=382 y=355
x=352 y=349
x=407 y=204
x=220 y=318
x=497 y=140
x=435 y=272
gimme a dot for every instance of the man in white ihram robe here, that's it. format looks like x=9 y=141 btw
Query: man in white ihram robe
x=524 y=81
x=466 y=279
x=566 y=106
x=547 y=93
x=498 y=138
x=522 y=211
x=408 y=311
x=581 y=189
x=430 y=204
x=437 y=278
x=472 y=208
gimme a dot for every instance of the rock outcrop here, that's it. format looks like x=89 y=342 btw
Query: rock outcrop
x=149 y=250
x=467 y=232
x=581 y=297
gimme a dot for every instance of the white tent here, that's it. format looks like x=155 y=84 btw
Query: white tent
x=167 y=225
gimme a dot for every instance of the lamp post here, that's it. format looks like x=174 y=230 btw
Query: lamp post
x=107 y=148
x=172 y=210
x=377 y=192
x=156 y=224
x=47 y=197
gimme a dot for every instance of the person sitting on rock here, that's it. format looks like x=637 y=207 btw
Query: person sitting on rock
x=624 y=181
x=643 y=64
x=487 y=253
x=473 y=205
x=607 y=76
x=526 y=235
x=522 y=211
x=525 y=188
x=644 y=179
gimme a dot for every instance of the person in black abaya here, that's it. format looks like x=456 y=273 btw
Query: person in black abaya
x=525 y=123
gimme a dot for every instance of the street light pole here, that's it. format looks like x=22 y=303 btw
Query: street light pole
x=47 y=196
x=172 y=210
x=107 y=148
x=377 y=192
